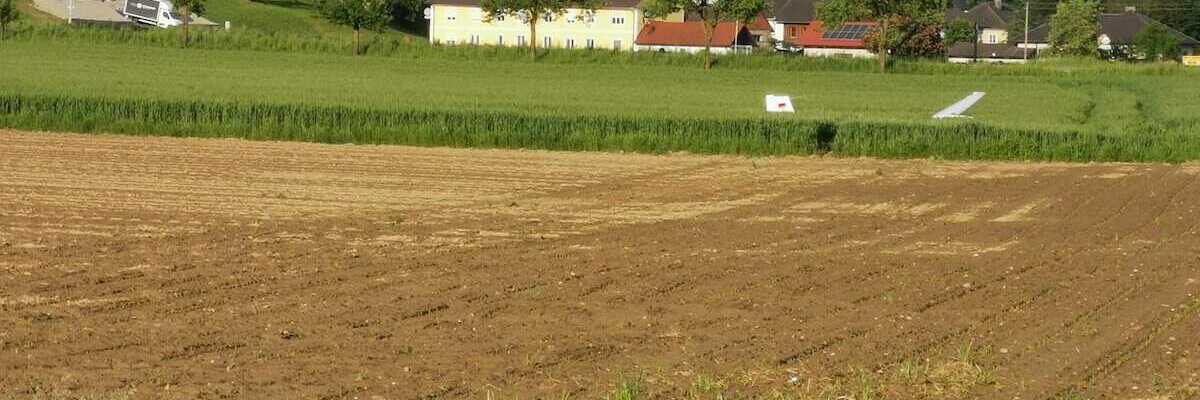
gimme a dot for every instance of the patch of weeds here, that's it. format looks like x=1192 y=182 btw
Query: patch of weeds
x=912 y=372
x=964 y=372
x=857 y=384
x=627 y=389
x=706 y=387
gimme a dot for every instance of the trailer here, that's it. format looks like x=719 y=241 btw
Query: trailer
x=160 y=13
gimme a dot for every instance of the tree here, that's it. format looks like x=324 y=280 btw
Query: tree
x=357 y=14
x=407 y=10
x=834 y=13
x=960 y=31
x=711 y=13
x=186 y=8
x=8 y=15
x=1156 y=43
x=911 y=38
x=529 y=11
x=1074 y=28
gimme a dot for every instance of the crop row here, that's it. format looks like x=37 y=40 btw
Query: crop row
x=500 y=129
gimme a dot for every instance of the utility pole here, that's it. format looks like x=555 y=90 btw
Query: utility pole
x=1025 y=48
x=976 y=59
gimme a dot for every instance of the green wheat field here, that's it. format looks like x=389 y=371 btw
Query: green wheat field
x=578 y=100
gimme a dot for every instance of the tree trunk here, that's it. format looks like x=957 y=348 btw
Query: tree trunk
x=708 y=34
x=356 y=33
x=532 y=36
x=883 y=45
x=185 y=18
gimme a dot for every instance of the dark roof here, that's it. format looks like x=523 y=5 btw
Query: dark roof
x=1005 y=51
x=691 y=33
x=985 y=14
x=1120 y=28
x=607 y=4
x=1123 y=28
x=794 y=11
x=1040 y=34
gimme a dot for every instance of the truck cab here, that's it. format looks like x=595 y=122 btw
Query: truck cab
x=160 y=13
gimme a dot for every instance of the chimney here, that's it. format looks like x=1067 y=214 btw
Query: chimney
x=999 y=4
x=1130 y=9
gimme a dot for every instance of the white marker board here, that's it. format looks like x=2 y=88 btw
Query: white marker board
x=776 y=103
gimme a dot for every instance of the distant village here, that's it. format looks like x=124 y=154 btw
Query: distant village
x=787 y=26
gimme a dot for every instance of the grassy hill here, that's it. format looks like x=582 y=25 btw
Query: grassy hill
x=284 y=17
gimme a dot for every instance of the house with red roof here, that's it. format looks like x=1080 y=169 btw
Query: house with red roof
x=847 y=40
x=761 y=31
x=663 y=36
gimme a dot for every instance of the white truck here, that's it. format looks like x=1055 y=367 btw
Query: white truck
x=160 y=13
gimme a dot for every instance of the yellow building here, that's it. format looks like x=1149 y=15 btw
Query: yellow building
x=614 y=26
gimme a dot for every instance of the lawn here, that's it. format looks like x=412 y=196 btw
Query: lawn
x=1130 y=105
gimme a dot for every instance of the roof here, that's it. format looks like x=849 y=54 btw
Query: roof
x=849 y=36
x=607 y=4
x=985 y=50
x=759 y=24
x=985 y=14
x=690 y=34
x=1120 y=28
x=794 y=11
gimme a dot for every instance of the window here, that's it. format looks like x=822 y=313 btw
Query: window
x=499 y=18
x=521 y=40
x=475 y=40
x=618 y=20
x=546 y=42
x=991 y=38
x=591 y=43
x=500 y=40
x=548 y=17
x=450 y=42
x=571 y=18
x=616 y=45
x=570 y=43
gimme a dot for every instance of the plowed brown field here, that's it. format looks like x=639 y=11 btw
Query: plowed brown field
x=177 y=268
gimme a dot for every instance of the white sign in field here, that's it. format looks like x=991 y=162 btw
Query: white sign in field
x=779 y=104
x=955 y=110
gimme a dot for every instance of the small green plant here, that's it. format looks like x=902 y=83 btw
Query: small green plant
x=705 y=387
x=630 y=388
x=912 y=372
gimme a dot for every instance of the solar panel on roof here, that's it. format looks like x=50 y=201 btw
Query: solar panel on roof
x=847 y=32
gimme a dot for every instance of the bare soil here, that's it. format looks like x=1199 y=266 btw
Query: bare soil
x=186 y=268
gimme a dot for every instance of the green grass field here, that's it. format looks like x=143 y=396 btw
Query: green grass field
x=1077 y=117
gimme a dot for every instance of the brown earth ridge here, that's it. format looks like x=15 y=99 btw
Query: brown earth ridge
x=190 y=268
